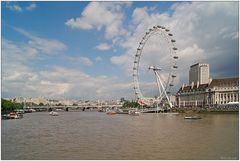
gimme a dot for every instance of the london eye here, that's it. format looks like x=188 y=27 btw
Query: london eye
x=156 y=55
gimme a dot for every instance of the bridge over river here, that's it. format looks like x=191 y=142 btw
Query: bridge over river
x=76 y=108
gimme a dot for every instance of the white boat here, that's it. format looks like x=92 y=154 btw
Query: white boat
x=12 y=115
x=134 y=112
x=33 y=110
x=53 y=113
x=192 y=117
x=59 y=109
x=111 y=112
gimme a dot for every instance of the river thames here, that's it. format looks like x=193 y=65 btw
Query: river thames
x=95 y=135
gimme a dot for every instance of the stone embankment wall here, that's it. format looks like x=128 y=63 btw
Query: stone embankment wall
x=213 y=108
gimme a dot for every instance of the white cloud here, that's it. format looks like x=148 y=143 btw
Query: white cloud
x=13 y=7
x=101 y=15
x=78 y=82
x=81 y=60
x=103 y=46
x=78 y=23
x=31 y=7
x=43 y=45
x=20 y=79
x=98 y=58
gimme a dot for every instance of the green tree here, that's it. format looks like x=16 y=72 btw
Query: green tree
x=10 y=106
x=130 y=104
x=122 y=99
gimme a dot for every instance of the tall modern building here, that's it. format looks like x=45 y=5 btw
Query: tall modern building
x=199 y=73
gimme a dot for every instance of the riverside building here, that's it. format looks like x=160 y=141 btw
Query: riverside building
x=201 y=93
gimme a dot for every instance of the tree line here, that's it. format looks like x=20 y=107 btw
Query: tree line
x=7 y=105
x=130 y=104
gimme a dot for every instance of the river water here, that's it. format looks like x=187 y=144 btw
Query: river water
x=95 y=135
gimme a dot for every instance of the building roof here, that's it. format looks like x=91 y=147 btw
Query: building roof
x=198 y=64
x=214 y=83
x=188 y=88
x=224 y=82
x=194 y=65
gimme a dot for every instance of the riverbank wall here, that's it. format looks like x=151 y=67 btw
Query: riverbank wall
x=208 y=109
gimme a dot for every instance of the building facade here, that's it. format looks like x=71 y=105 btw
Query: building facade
x=216 y=92
x=199 y=73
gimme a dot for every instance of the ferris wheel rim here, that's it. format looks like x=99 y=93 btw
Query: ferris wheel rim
x=172 y=49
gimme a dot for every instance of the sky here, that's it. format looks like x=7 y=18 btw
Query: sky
x=85 y=50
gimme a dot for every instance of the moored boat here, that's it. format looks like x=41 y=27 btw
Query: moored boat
x=29 y=110
x=151 y=111
x=19 y=111
x=192 y=117
x=120 y=111
x=111 y=112
x=134 y=112
x=12 y=115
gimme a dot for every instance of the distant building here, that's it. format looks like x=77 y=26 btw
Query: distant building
x=39 y=100
x=18 y=99
x=199 y=73
x=218 y=91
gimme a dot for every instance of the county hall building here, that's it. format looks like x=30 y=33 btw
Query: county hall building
x=203 y=91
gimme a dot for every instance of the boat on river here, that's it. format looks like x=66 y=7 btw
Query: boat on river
x=29 y=110
x=154 y=110
x=120 y=111
x=192 y=117
x=134 y=112
x=151 y=111
x=53 y=113
x=12 y=115
x=19 y=111
x=111 y=112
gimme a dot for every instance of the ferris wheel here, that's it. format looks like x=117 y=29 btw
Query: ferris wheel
x=164 y=74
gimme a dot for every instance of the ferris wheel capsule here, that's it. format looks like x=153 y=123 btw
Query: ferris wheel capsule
x=175 y=57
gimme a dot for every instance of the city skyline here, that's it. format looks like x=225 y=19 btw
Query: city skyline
x=86 y=49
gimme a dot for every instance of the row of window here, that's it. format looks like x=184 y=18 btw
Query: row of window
x=225 y=95
x=191 y=103
x=225 y=88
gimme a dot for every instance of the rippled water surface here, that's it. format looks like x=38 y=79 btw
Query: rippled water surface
x=95 y=135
